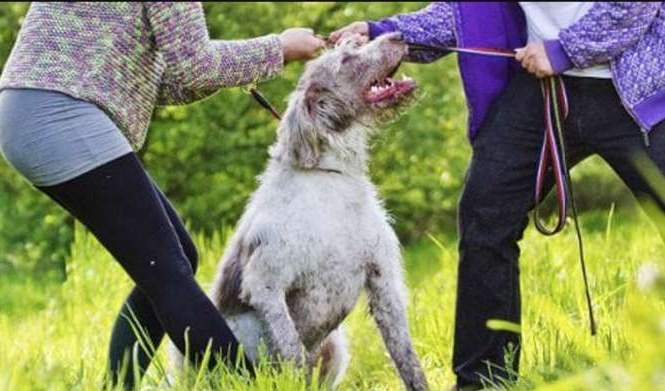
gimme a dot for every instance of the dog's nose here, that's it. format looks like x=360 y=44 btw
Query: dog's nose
x=397 y=37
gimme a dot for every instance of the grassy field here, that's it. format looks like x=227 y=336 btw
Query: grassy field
x=54 y=336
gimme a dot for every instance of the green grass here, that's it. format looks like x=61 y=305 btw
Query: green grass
x=53 y=336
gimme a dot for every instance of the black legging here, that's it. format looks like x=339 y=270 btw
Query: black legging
x=120 y=204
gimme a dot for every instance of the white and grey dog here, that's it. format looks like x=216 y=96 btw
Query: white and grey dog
x=314 y=233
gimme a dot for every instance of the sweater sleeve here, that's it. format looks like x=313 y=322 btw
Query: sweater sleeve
x=196 y=66
x=603 y=33
x=434 y=25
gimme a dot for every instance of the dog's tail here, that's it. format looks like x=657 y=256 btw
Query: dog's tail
x=333 y=355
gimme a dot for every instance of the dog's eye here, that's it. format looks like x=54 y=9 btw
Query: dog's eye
x=348 y=58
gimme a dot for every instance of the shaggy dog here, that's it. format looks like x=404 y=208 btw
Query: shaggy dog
x=314 y=233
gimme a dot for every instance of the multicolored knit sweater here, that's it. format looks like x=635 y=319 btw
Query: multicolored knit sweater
x=127 y=57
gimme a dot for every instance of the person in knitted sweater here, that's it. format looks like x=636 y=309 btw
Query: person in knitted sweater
x=76 y=97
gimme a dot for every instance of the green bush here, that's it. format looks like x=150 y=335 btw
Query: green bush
x=206 y=156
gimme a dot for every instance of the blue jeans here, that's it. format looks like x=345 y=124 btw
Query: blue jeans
x=499 y=193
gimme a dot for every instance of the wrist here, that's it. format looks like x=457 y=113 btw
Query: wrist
x=283 y=48
x=556 y=54
x=374 y=29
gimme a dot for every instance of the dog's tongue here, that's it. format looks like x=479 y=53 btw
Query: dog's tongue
x=391 y=89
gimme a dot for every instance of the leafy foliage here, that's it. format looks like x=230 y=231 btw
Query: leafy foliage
x=206 y=155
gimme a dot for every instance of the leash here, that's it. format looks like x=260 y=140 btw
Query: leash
x=552 y=157
x=261 y=100
x=553 y=154
x=258 y=97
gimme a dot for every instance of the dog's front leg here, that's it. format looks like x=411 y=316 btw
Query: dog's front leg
x=284 y=339
x=388 y=307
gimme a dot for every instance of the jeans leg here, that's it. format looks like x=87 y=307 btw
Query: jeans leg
x=641 y=168
x=492 y=215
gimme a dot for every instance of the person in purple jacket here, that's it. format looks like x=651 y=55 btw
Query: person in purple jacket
x=611 y=57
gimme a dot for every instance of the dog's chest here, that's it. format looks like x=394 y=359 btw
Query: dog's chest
x=332 y=229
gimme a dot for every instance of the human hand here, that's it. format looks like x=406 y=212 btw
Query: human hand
x=533 y=58
x=300 y=43
x=360 y=28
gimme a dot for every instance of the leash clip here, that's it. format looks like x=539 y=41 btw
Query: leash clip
x=261 y=100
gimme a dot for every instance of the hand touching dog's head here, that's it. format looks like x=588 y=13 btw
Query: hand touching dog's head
x=348 y=85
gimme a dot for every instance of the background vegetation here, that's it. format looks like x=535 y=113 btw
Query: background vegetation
x=206 y=156
x=59 y=289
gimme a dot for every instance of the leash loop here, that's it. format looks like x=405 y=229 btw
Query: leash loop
x=552 y=153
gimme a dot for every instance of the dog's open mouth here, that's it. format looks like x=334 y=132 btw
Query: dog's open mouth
x=390 y=90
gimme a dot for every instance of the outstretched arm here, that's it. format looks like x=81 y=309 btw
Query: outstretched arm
x=434 y=25
x=197 y=66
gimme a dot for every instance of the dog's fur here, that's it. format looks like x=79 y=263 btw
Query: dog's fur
x=315 y=233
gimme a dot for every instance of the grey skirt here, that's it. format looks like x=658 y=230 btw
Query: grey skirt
x=50 y=137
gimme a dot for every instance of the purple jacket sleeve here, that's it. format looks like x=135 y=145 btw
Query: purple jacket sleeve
x=603 y=33
x=433 y=26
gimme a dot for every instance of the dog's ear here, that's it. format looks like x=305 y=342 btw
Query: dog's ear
x=313 y=98
x=300 y=136
x=328 y=112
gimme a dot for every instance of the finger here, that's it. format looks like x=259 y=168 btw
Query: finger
x=345 y=35
x=530 y=59
x=360 y=29
x=519 y=54
x=338 y=34
x=527 y=65
x=319 y=43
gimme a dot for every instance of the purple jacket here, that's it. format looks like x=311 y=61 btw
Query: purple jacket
x=628 y=35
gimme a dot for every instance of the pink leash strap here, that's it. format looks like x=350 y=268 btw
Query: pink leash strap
x=551 y=153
